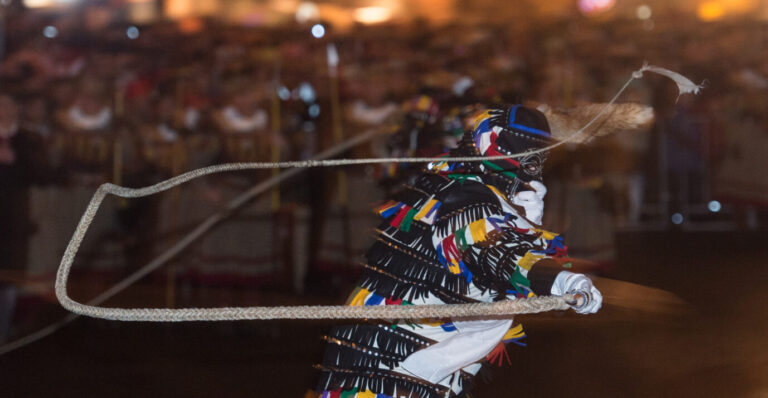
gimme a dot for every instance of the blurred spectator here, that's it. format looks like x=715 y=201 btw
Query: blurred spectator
x=22 y=163
x=90 y=111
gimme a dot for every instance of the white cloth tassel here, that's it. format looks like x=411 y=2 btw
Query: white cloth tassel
x=684 y=84
x=472 y=341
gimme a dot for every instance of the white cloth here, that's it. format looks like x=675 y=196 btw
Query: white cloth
x=568 y=282
x=240 y=123
x=532 y=201
x=88 y=122
x=472 y=341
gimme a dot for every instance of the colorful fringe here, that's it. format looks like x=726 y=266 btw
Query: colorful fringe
x=405 y=215
x=353 y=393
x=450 y=248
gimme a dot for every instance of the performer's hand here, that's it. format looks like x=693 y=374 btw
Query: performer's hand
x=532 y=201
x=588 y=298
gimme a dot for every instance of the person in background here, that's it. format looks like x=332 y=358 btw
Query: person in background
x=23 y=162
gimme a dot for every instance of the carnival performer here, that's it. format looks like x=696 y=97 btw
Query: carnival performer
x=461 y=233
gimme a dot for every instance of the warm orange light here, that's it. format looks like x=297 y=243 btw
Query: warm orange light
x=307 y=11
x=178 y=8
x=710 y=11
x=190 y=25
x=372 y=15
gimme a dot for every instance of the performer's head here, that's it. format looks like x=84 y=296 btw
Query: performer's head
x=508 y=130
x=516 y=129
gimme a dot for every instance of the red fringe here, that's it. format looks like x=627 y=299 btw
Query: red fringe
x=498 y=354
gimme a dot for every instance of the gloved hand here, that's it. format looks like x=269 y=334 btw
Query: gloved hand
x=568 y=282
x=532 y=201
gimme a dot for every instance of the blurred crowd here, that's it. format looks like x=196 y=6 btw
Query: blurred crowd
x=136 y=104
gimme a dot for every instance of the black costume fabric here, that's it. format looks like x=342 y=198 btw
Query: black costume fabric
x=452 y=236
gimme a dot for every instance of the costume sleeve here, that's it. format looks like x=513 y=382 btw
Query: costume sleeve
x=497 y=249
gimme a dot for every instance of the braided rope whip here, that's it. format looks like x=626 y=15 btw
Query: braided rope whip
x=531 y=305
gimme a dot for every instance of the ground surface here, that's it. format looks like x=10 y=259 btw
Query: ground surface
x=715 y=347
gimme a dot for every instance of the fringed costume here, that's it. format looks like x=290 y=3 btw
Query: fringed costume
x=460 y=233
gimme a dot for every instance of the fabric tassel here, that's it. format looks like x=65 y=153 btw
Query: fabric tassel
x=461 y=239
x=448 y=327
x=348 y=393
x=521 y=283
x=358 y=297
x=393 y=301
x=388 y=209
x=424 y=209
x=499 y=354
x=478 y=231
x=466 y=273
x=375 y=299
x=528 y=260
x=427 y=212
x=400 y=216
x=514 y=332
x=405 y=224
x=429 y=218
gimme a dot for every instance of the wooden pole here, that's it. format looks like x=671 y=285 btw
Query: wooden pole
x=275 y=126
x=338 y=137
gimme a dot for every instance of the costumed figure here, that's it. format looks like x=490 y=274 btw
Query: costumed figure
x=417 y=134
x=460 y=233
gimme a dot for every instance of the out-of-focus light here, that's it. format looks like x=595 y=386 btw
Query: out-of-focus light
x=714 y=206
x=284 y=6
x=318 y=31
x=314 y=110
x=50 y=31
x=644 y=12
x=284 y=93
x=307 y=11
x=5 y=2
x=372 y=15
x=648 y=24
x=132 y=32
x=306 y=92
x=46 y=3
x=710 y=11
x=589 y=7
x=39 y=3
x=677 y=219
x=191 y=25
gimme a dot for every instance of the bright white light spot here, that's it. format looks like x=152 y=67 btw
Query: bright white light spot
x=314 y=110
x=306 y=92
x=318 y=31
x=644 y=12
x=677 y=219
x=307 y=11
x=284 y=93
x=50 y=32
x=371 y=15
x=132 y=32
x=714 y=206
x=45 y=3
